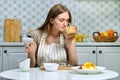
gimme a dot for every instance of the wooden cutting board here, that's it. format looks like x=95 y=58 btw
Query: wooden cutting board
x=12 y=30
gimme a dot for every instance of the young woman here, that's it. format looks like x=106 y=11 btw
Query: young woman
x=49 y=43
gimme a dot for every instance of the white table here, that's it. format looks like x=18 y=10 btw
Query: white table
x=37 y=74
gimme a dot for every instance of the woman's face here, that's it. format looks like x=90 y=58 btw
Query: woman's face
x=60 y=21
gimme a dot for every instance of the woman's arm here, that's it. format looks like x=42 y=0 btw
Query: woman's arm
x=71 y=48
x=32 y=49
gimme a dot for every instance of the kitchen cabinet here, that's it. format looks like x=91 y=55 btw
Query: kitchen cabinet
x=0 y=60
x=12 y=56
x=86 y=54
x=108 y=57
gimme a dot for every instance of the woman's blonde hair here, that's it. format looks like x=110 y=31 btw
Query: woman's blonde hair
x=53 y=13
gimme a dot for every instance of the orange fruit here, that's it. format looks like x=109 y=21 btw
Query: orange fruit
x=111 y=32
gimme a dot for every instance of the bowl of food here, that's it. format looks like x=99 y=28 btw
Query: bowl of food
x=50 y=66
x=70 y=31
x=88 y=68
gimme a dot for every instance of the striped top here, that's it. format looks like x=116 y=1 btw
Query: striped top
x=53 y=52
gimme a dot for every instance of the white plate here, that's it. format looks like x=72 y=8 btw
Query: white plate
x=98 y=70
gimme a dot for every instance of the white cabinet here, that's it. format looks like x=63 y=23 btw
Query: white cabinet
x=12 y=56
x=101 y=56
x=86 y=54
x=0 y=60
x=110 y=58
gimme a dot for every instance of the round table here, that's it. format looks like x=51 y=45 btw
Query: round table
x=37 y=74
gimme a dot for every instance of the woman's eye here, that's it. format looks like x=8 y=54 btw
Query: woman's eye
x=61 y=20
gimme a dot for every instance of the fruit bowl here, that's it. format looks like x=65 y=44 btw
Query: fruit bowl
x=99 y=38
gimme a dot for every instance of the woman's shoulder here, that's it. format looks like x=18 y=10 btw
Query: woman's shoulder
x=37 y=32
x=36 y=35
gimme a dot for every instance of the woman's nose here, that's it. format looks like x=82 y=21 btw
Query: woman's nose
x=65 y=23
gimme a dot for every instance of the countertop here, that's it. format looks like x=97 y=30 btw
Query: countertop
x=77 y=44
x=98 y=44
x=11 y=43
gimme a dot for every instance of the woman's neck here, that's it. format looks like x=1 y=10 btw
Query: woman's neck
x=54 y=37
x=55 y=33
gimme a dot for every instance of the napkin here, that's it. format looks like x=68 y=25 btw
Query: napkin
x=25 y=65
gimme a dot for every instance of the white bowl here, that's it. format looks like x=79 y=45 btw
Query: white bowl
x=50 y=66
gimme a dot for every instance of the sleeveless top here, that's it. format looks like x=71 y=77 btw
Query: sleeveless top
x=53 y=52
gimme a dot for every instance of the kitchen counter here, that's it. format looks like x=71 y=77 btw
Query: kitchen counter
x=11 y=43
x=88 y=44
x=77 y=44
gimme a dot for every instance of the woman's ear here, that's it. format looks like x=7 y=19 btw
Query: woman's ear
x=51 y=20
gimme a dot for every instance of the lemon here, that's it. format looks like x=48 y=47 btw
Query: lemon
x=105 y=34
x=101 y=33
x=76 y=37
x=80 y=38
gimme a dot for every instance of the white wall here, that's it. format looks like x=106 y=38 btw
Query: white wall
x=88 y=15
